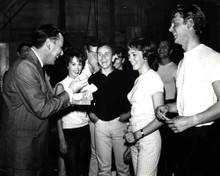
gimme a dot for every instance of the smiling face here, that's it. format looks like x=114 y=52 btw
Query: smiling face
x=179 y=29
x=105 y=57
x=74 y=67
x=136 y=59
x=163 y=49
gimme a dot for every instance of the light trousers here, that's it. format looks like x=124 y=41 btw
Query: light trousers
x=110 y=135
x=145 y=155
x=93 y=166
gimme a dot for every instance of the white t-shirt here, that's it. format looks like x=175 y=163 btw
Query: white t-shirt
x=74 y=119
x=168 y=75
x=140 y=97
x=199 y=68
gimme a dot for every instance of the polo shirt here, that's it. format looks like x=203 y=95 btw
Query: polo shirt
x=110 y=100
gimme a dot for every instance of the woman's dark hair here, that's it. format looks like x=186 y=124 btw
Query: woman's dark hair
x=148 y=48
x=43 y=33
x=121 y=51
x=70 y=53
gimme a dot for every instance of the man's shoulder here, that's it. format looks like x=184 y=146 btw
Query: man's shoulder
x=97 y=74
x=26 y=64
x=28 y=58
x=206 y=50
x=94 y=76
x=119 y=72
x=209 y=56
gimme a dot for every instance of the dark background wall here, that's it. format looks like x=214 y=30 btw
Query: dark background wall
x=115 y=21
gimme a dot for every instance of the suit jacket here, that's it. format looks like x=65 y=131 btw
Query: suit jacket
x=28 y=102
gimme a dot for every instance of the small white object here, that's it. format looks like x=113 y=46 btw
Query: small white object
x=165 y=117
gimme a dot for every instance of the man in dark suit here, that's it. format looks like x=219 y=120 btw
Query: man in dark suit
x=28 y=102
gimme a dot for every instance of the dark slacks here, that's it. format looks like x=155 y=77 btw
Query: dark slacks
x=78 y=155
x=196 y=151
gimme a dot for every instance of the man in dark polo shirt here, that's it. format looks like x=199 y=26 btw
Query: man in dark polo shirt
x=110 y=112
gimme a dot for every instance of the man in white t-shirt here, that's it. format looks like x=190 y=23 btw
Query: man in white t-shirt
x=198 y=94
x=167 y=70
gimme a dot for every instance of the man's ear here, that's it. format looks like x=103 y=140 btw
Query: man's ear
x=123 y=60
x=47 y=43
x=87 y=53
x=190 y=23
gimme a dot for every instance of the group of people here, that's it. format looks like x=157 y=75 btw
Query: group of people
x=105 y=111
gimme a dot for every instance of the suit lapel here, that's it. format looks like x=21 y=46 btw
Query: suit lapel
x=33 y=58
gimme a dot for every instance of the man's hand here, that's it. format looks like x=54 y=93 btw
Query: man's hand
x=93 y=61
x=76 y=86
x=161 y=112
x=63 y=147
x=93 y=117
x=180 y=123
x=124 y=117
x=114 y=57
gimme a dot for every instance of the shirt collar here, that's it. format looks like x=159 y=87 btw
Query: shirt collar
x=41 y=63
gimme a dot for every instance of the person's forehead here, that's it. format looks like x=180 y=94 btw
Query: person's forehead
x=132 y=50
x=60 y=39
x=105 y=49
x=74 y=59
x=118 y=58
x=164 y=43
x=93 y=48
x=177 y=17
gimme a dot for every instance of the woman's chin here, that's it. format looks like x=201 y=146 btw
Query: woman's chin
x=134 y=68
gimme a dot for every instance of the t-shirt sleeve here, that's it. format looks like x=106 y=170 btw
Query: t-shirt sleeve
x=156 y=85
x=213 y=67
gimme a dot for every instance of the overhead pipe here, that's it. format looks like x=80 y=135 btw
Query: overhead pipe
x=10 y=5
